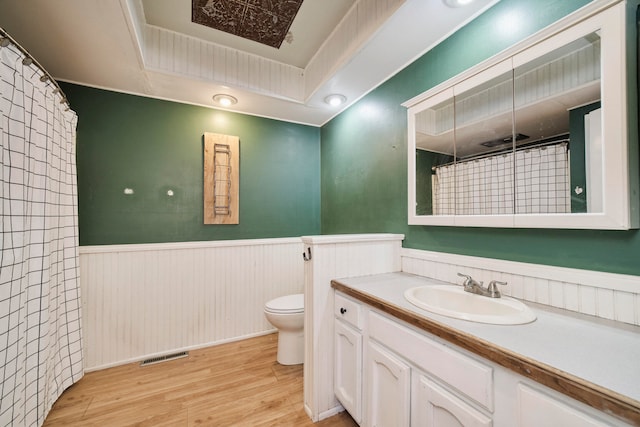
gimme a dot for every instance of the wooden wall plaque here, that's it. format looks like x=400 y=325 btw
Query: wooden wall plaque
x=221 y=179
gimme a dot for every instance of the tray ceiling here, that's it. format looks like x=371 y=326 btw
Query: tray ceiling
x=152 y=48
x=312 y=25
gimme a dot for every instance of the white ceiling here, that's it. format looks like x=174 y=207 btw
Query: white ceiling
x=151 y=48
x=313 y=24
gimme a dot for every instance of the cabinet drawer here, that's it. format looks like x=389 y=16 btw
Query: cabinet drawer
x=467 y=375
x=538 y=409
x=348 y=310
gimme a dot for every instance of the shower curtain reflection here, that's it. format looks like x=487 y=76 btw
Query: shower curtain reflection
x=486 y=186
x=40 y=329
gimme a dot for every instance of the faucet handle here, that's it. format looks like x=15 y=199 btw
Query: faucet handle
x=467 y=278
x=492 y=289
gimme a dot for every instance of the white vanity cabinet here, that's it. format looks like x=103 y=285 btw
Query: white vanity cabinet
x=392 y=373
x=388 y=388
x=380 y=373
x=447 y=388
x=348 y=355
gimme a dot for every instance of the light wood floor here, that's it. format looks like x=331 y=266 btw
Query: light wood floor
x=235 y=384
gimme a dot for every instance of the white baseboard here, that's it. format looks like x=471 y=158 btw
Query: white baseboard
x=177 y=350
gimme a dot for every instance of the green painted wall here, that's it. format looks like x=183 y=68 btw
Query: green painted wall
x=364 y=160
x=153 y=146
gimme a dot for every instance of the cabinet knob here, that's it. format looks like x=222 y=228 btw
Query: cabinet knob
x=343 y=310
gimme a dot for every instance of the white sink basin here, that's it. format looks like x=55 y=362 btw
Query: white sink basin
x=453 y=301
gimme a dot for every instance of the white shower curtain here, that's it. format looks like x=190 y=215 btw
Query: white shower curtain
x=486 y=186
x=40 y=329
x=543 y=181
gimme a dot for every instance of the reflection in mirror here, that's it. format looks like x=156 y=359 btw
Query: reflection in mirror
x=472 y=160
x=557 y=107
x=435 y=148
x=539 y=136
x=484 y=141
x=461 y=165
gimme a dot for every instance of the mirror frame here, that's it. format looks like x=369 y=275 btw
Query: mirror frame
x=620 y=210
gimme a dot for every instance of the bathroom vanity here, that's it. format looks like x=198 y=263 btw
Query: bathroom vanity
x=399 y=365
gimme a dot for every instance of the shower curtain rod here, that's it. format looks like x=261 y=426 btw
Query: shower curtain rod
x=543 y=143
x=5 y=39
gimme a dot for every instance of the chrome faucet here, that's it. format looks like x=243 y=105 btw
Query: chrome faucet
x=471 y=285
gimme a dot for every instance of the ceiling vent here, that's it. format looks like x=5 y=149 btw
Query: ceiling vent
x=503 y=141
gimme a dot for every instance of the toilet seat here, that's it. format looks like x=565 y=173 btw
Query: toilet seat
x=286 y=304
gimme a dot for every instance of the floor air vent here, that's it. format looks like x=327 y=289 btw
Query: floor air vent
x=164 y=358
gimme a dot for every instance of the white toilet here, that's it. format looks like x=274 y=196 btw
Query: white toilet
x=287 y=314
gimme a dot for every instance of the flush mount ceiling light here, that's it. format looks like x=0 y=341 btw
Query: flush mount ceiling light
x=335 y=99
x=457 y=3
x=225 y=100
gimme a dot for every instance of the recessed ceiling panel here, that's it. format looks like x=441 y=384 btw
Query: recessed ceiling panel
x=263 y=21
x=111 y=45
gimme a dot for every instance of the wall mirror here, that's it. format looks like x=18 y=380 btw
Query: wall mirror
x=534 y=137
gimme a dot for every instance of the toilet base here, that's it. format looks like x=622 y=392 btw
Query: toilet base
x=290 y=347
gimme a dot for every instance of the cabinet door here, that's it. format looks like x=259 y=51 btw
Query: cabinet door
x=388 y=389
x=348 y=369
x=433 y=406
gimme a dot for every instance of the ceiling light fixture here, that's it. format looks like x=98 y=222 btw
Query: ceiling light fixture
x=335 y=99
x=225 y=100
x=457 y=3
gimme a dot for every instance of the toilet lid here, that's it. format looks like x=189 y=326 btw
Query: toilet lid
x=286 y=304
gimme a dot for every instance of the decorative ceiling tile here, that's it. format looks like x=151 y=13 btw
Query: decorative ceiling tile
x=263 y=21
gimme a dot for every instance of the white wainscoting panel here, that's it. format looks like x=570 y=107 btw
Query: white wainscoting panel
x=174 y=53
x=333 y=257
x=151 y=299
x=606 y=295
